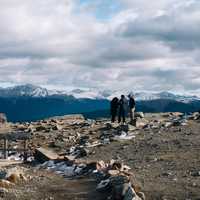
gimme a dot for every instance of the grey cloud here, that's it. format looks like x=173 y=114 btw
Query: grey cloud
x=178 y=28
x=147 y=46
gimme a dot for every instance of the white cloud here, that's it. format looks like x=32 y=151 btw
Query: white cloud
x=144 y=46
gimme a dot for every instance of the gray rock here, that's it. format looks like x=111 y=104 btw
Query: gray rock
x=139 y=114
x=131 y=194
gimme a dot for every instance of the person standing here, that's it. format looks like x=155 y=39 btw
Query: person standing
x=131 y=104
x=122 y=109
x=114 y=108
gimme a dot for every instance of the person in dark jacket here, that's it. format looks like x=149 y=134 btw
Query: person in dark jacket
x=114 y=108
x=131 y=105
x=122 y=109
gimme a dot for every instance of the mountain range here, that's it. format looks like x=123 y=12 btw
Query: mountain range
x=29 y=90
x=29 y=102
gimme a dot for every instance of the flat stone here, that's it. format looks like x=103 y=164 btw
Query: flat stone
x=43 y=155
x=4 y=163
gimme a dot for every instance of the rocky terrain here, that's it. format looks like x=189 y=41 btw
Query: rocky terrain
x=157 y=158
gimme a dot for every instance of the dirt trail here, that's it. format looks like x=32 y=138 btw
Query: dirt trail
x=45 y=185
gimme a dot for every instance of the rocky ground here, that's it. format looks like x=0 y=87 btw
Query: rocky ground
x=162 y=151
x=45 y=185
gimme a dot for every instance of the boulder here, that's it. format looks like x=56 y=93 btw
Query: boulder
x=139 y=114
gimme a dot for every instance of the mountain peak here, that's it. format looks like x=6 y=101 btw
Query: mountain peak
x=28 y=90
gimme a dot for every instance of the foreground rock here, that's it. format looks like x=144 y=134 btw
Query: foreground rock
x=113 y=178
x=9 y=177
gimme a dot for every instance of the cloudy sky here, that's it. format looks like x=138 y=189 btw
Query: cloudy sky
x=104 y=44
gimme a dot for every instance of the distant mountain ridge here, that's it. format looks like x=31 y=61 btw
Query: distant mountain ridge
x=31 y=103
x=29 y=90
x=24 y=90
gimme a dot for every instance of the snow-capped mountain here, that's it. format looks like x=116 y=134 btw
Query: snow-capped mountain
x=29 y=90
x=139 y=96
x=165 y=95
x=24 y=90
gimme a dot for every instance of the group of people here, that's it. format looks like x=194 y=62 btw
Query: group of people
x=122 y=107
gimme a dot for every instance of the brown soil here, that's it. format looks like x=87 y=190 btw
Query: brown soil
x=45 y=185
x=162 y=161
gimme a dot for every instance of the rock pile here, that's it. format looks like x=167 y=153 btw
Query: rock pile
x=118 y=179
x=113 y=177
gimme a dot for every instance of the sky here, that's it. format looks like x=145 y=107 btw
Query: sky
x=101 y=44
